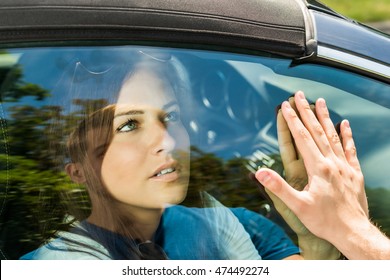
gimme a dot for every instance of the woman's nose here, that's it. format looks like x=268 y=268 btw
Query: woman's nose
x=163 y=141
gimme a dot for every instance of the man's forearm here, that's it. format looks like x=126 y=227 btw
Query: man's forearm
x=364 y=242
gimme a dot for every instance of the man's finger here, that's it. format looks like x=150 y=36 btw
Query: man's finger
x=286 y=142
x=328 y=126
x=312 y=124
x=302 y=137
x=349 y=145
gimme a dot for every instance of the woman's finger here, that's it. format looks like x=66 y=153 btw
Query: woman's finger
x=285 y=141
x=279 y=187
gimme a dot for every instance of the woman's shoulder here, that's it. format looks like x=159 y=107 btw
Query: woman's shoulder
x=69 y=246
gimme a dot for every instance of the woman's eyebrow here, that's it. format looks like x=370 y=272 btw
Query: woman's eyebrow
x=140 y=112
x=169 y=104
x=131 y=112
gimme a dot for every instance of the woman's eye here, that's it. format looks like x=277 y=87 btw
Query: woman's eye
x=171 y=116
x=130 y=125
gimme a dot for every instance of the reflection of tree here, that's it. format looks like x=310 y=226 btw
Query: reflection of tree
x=26 y=127
x=33 y=205
x=378 y=202
x=229 y=181
x=32 y=182
x=13 y=88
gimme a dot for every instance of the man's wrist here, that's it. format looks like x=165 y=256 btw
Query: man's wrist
x=364 y=241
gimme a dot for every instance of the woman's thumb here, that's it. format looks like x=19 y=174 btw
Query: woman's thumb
x=273 y=182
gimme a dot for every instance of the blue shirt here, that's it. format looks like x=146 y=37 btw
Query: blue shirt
x=184 y=234
x=270 y=240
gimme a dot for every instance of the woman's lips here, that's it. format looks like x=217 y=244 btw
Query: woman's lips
x=167 y=172
x=169 y=177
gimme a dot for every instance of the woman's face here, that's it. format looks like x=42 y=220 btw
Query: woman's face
x=147 y=163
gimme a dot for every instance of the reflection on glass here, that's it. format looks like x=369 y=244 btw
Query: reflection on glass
x=112 y=148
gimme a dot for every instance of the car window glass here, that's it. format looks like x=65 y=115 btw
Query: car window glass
x=83 y=126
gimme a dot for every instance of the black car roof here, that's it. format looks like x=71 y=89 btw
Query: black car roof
x=275 y=26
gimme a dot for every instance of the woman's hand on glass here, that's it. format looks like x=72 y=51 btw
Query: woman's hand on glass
x=296 y=176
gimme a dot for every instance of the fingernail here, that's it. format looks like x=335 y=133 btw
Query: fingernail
x=322 y=102
x=263 y=176
x=286 y=104
x=346 y=123
x=300 y=95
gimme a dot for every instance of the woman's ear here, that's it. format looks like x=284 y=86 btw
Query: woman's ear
x=75 y=172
